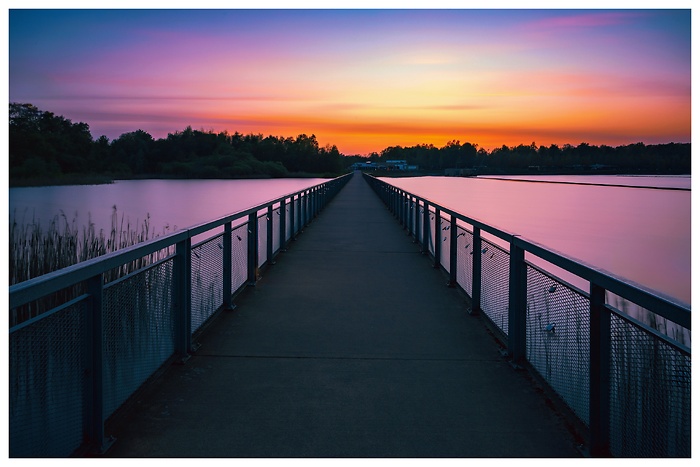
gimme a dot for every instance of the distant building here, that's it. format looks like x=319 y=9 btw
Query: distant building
x=399 y=165
x=396 y=165
x=364 y=166
x=388 y=165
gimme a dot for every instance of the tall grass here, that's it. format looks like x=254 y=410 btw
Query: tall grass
x=35 y=250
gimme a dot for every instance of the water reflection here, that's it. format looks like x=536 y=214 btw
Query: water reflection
x=640 y=234
x=171 y=204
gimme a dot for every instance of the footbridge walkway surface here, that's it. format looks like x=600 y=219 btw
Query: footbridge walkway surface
x=351 y=345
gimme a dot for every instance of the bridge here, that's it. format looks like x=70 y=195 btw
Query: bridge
x=342 y=329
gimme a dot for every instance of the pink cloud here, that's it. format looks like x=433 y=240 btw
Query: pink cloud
x=585 y=20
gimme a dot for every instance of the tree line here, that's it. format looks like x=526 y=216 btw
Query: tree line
x=48 y=148
x=670 y=158
x=44 y=146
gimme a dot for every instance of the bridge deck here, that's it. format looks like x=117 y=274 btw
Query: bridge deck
x=350 y=346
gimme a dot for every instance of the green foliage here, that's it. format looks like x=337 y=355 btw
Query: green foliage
x=46 y=148
x=671 y=158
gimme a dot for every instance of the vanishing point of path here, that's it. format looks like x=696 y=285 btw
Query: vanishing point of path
x=350 y=346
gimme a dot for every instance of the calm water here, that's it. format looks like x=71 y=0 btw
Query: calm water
x=638 y=233
x=171 y=204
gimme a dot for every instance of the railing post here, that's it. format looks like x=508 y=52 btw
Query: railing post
x=283 y=225
x=228 y=269
x=599 y=404
x=453 y=252
x=183 y=288
x=517 y=295
x=438 y=238
x=94 y=437
x=270 y=234
x=252 y=248
x=476 y=272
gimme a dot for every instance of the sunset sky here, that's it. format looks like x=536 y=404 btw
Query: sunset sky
x=363 y=79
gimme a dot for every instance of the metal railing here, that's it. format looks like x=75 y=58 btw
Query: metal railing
x=127 y=314
x=624 y=379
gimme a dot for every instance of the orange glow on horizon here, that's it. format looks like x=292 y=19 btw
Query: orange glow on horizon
x=363 y=80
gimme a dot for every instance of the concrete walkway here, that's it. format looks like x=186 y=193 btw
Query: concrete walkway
x=350 y=346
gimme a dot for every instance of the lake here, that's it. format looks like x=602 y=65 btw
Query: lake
x=642 y=234
x=635 y=227
x=170 y=204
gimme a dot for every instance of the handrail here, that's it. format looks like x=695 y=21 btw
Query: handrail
x=88 y=348
x=45 y=284
x=666 y=306
x=606 y=359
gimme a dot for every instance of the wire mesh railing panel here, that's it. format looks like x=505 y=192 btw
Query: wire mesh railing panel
x=558 y=338
x=495 y=269
x=138 y=322
x=412 y=212
x=465 y=259
x=646 y=408
x=298 y=212
x=207 y=281
x=136 y=302
x=46 y=303
x=295 y=218
x=262 y=239
x=431 y=232
x=650 y=394
x=239 y=256
x=444 y=237
x=421 y=216
x=276 y=230
x=289 y=225
x=46 y=383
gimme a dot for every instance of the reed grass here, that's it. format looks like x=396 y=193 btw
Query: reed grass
x=35 y=250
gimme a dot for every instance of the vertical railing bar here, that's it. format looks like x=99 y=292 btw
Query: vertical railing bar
x=227 y=273
x=292 y=217
x=302 y=211
x=94 y=435
x=426 y=227
x=453 y=252
x=476 y=271
x=270 y=235
x=517 y=292
x=404 y=210
x=438 y=238
x=309 y=207
x=407 y=210
x=252 y=248
x=316 y=201
x=183 y=323
x=416 y=220
x=283 y=225
x=599 y=391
